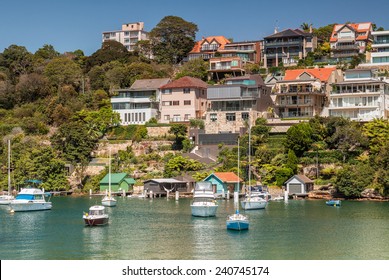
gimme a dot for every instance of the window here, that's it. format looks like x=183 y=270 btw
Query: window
x=230 y=117
x=245 y=116
x=176 y=103
x=166 y=117
x=213 y=117
x=166 y=103
x=166 y=91
x=186 y=117
x=186 y=90
x=187 y=102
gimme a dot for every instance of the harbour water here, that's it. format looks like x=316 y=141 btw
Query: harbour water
x=163 y=229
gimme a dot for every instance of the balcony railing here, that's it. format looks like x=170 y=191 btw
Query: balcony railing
x=283 y=43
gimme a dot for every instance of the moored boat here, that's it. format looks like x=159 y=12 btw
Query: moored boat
x=333 y=202
x=96 y=216
x=6 y=198
x=30 y=199
x=204 y=203
x=237 y=221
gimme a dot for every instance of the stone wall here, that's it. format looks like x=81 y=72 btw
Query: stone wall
x=158 y=131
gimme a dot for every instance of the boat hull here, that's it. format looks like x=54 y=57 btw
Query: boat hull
x=237 y=225
x=109 y=202
x=253 y=204
x=30 y=206
x=204 y=210
x=6 y=199
x=333 y=203
x=95 y=221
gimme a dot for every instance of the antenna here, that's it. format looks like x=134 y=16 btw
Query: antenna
x=276 y=27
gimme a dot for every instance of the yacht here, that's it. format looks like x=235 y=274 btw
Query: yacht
x=256 y=198
x=30 y=199
x=204 y=203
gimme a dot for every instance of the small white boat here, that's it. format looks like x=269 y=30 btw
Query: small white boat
x=108 y=199
x=237 y=221
x=204 y=203
x=255 y=199
x=278 y=198
x=6 y=199
x=30 y=199
x=96 y=216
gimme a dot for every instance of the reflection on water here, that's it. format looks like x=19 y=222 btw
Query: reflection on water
x=165 y=229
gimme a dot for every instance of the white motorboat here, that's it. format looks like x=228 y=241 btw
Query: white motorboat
x=96 y=216
x=204 y=203
x=30 y=199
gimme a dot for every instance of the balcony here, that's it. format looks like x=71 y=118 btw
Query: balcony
x=284 y=43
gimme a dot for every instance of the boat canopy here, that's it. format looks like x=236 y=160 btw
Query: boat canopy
x=203 y=186
x=25 y=196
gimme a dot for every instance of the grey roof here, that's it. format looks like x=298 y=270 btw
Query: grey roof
x=149 y=84
x=165 y=180
x=289 y=33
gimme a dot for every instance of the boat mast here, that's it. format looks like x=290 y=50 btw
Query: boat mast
x=9 y=166
x=109 y=173
x=249 y=190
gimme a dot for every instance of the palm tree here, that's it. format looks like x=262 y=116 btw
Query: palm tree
x=305 y=26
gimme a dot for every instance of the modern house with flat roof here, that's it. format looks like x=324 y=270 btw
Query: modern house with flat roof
x=233 y=104
x=361 y=96
x=139 y=103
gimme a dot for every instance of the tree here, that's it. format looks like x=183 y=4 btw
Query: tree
x=172 y=39
x=299 y=138
x=176 y=165
x=17 y=59
x=109 y=51
x=377 y=131
x=46 y=52
x=352 y=180
x=179 y=131
x=31 y=87
x=196 y=68
x=63 y=71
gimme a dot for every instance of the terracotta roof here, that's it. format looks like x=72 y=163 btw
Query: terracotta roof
x=186 y=82
x=220 y=39
x=320 y=73
x=227 y=176
x=356 y=27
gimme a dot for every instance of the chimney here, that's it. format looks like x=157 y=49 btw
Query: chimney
x=310 y=28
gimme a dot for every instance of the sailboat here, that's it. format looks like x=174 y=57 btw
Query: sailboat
x=237 y=221
x=252 y=200
x=108 y=199
x=6 y=199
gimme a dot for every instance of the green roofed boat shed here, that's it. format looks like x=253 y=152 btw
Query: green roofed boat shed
x=119 y=182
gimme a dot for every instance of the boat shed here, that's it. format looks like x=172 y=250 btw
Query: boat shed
x=119 y=182
x=224 y=181
x=162 y=186
x=299 y=185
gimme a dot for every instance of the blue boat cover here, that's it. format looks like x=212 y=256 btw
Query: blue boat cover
x=25 y=196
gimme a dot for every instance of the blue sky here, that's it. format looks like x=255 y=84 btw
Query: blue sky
x=69 y=25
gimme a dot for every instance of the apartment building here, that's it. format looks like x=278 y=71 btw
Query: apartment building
x=287 y=47
x=379 y=55
x=233 y=58
x=304 y=92
x=350 y=39
x=129 y=35
x=233 y=104
x=139 y=103
x=183 y=99
x=362 y=96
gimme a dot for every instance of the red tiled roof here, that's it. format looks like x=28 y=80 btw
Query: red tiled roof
x=186 y=82
x=220 y=39
x=227 y=176
x=357 y=27
x=320 y=73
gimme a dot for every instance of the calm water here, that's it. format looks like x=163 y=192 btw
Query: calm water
x=164 y=229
